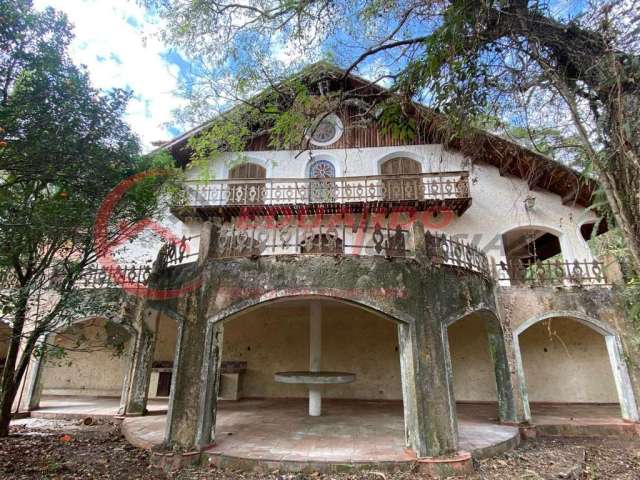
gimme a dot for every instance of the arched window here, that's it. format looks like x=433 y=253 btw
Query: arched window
x=321 y=189
x=406 y=187
x=247 y=193
x=525 y=248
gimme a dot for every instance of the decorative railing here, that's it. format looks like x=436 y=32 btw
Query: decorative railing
x=126 y=276
x=96 y=276
x=295 y=191
x=457 y=253
x=552 y=273
x=176 y=252
x=255 y=238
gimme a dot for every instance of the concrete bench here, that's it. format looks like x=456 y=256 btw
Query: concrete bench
x=230 y=379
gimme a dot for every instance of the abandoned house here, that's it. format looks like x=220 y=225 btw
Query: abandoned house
x=362 y=300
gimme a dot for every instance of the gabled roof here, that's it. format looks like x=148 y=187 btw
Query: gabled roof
x=509 y=157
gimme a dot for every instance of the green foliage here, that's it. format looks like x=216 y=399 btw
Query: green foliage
x=395 y=122
x=64 y=146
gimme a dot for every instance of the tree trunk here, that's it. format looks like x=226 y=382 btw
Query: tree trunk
x=10 y=378
x=619 y=171
x=591 y=68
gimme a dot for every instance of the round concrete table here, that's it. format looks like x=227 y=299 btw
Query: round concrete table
x=315 y=376
x=313 y=380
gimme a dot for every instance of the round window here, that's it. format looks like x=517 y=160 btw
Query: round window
x=327 y=131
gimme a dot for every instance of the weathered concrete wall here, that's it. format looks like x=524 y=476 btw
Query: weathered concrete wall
x=165 y=339
x=599 y=309
x=473 y=373
x=276 y=338
x=520 y=304
x=91 y=365
x=565 y=361
x=422 y=297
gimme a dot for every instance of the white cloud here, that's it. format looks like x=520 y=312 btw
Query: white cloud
x=116 y=40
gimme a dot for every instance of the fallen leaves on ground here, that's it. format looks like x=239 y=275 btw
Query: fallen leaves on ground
x=55 y=449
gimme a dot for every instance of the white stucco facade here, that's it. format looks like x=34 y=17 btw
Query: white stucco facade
x=498 y=202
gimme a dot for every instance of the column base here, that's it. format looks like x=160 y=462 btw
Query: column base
x=457 y=464
x=315 y=402
x=528 y=432
x=171 y=462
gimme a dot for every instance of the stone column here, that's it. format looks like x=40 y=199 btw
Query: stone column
x=427 y=388
x=429 y=406
x=507 y=394
x=210 y=377
x=208 y=241
x=516 y=372
x=136 y=386
x=31 y=385
x=315 y=356
x=31 y=401
x=626 y=396
x=194 y=390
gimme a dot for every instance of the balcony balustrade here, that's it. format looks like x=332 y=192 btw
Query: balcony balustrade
x=552 y=273
x=293 y=196
x=255 y=238
x=293 y=237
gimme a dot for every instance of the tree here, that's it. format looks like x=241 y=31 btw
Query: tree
x=63 y=147
x=526 y=62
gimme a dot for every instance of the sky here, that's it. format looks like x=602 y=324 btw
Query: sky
x=116 y=40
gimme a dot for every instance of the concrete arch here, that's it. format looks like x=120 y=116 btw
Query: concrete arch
x=581 y=240
x=481 y=309
x=600 y=327
x=36 y=380
x=626 y=396
x=167 y=311
x=277 y=296
x=497 y=345
x=565 y=244
x=88 y=318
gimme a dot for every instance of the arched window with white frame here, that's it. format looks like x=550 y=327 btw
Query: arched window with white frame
x=322 y=186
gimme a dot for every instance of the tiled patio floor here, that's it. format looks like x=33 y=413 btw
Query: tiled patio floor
x=348 y=431
x=54 y=405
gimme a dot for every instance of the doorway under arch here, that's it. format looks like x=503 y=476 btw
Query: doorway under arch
x=480 y=367
x=568 y=358
x=404 y=187
x=86 y=358
x=247 y=193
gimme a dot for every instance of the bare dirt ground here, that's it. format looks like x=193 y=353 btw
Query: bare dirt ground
x=54 y=449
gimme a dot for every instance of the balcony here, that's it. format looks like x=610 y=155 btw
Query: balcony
x=336 y=195
x=552 y=273
x=255 y=238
